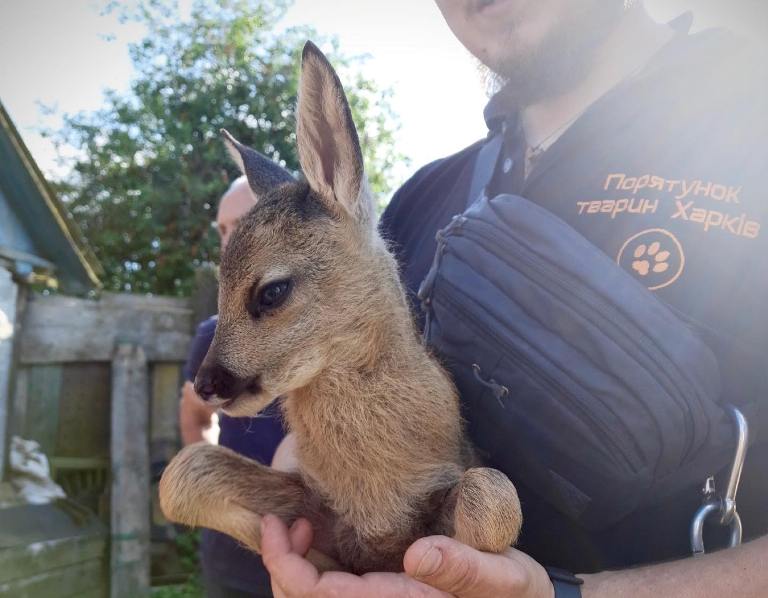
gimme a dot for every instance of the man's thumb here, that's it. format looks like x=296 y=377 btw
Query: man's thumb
x=444 y=564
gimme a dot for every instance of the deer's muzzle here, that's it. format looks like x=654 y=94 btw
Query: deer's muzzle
x=217 y=381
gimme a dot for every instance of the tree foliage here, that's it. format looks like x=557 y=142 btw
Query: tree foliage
x=151 y=168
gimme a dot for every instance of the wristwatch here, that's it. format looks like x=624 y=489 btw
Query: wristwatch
x=566 y=584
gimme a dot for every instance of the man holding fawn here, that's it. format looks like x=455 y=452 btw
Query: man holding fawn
x=623 y=127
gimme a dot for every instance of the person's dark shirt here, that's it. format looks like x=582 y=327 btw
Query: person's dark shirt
x=223 y=559
x=666 y=174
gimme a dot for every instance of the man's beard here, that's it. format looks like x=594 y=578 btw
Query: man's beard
x=558 y=63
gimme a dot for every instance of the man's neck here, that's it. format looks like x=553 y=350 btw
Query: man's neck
x=624 y=52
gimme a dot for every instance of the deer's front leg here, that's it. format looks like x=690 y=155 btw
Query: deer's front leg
x=483 y=511
x=211 y=486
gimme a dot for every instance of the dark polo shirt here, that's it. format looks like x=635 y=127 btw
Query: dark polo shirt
x=667 y=174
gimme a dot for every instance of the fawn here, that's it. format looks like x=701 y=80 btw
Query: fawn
x=311 y=309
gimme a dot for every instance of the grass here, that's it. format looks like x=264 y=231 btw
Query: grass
x=187 y=545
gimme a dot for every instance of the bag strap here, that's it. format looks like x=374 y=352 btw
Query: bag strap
x=485 y=166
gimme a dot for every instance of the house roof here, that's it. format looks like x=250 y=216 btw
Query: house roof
x=61 y=249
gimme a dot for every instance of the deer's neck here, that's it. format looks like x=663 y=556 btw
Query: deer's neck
x=372 y=435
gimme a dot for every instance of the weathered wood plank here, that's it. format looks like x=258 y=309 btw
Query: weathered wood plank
x=68 y=553
x=8 y=297
x=130 y=517
x=19 y=403
x=166 y=379
x=43 y=396
x=164 y=435
x=60 y=329
x=62 y=582
x=36 y=558
x=78 y=463
x=84 y=410
x=23 y=525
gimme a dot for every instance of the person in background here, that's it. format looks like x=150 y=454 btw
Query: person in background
x=229 y=570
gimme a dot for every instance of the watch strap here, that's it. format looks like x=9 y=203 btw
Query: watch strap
x=566 y=584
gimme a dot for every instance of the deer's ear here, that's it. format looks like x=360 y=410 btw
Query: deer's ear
x=262 y=173
x=329 y=149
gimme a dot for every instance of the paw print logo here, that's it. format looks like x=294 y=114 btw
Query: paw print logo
x=649 y=258
x=654 y=257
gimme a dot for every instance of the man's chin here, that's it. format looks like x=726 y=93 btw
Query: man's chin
x=544 y=59
x=246 y=405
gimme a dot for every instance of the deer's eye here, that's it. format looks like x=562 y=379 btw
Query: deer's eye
x=270 y=296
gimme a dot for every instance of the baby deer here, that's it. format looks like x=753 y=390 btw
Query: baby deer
x=311 y=309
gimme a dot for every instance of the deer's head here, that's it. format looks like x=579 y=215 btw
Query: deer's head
x=296 y=277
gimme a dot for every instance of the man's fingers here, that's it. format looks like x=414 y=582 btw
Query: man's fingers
x=458 y=569
x=301 y=536
x=293 y=576
x=288 y=569
x=442 y=563
x=275 y=540
x=373 y=585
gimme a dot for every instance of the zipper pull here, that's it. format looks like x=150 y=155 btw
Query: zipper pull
x=424 y=294
x=499 y=391
x=425 y=288
x=455 y=225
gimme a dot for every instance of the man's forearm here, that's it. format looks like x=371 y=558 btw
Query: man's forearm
x=738 y=573
x=194 y=415
x=191 y=427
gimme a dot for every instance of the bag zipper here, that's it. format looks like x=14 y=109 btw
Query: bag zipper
x=499 y=390
x=424 y=294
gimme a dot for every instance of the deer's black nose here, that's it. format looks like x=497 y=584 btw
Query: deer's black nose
x=205 y=388
x=217 y=381
x=214 y=380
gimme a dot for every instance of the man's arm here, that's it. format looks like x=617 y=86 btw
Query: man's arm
x=458 y=570
x=448 y=566
x=741 y=571
x=194 y=415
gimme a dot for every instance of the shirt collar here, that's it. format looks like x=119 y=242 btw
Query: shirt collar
x=496 y=112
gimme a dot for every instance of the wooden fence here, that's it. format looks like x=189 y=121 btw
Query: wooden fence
x=97 y=386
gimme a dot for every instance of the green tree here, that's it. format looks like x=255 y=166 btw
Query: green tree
x=151 y=167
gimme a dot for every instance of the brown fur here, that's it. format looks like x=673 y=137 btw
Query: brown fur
x=378 y=432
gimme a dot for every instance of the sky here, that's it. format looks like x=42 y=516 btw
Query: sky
x=64 y=54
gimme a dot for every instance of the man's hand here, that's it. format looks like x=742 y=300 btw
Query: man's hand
x=434 y=567
x=293 y=576
x=464 y=572
x=194 y=415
